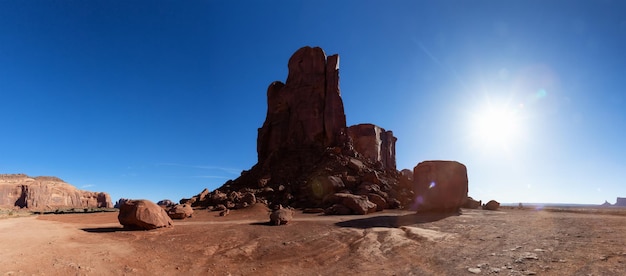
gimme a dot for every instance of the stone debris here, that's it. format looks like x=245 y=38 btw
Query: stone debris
x=281 y=216
x=474 y=270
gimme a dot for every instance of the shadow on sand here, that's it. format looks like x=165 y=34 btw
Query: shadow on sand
x=394 y=221
x=109 y=229
x=264 y=223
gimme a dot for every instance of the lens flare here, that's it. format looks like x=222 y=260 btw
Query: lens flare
x=432 y=185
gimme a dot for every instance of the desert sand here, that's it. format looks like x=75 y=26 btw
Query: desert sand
x=505 y=242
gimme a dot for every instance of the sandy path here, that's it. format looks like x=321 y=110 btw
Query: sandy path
x=510 y=242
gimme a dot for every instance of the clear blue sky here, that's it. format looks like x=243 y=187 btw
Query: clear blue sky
x=154 y=99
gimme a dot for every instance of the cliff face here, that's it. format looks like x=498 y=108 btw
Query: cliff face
x=306 y=111
x=46 y=193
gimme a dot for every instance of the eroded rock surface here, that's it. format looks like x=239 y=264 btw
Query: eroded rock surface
x=47 y=193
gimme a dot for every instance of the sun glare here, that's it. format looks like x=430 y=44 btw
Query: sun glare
x=496 y=127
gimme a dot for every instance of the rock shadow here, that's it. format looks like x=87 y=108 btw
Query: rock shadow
x=264 y=223
x=394 y=221
x=109 y=229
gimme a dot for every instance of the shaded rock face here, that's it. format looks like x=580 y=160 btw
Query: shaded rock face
x=47 y=193
x=307 y=110
x=143 y=214
x=375 y=144
x=621 y=201
x=440 y=185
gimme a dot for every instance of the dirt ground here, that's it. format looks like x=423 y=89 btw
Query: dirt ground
x=506 y=242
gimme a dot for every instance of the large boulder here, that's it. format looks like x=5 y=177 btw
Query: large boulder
x=47 y=193
x=143 y=214
x=440 y=186
x=375 y=144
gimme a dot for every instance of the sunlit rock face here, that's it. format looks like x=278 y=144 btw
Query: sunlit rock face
x=307 y=110
x=375 y=143
x=440 y=185
x=46 y=193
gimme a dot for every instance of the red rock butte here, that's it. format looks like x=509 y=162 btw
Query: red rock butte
x=44 y=193
x=309 y=158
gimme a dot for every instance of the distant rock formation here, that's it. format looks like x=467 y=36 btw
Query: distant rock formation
x=375 y=143
x=46 y=193
x=621 y=201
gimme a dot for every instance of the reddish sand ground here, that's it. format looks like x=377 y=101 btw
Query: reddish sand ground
x=507 y=242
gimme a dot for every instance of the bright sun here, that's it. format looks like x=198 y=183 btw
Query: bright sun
x=497 y=127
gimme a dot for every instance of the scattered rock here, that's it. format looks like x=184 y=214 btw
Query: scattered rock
x=359 y=205
x=474 y=270
x=313 y=210
x=380 y=202
x=180 y=211
x=492 y=205
x=143 y=214
x=337 y=209
x=281 y=216
x=224 y=213
x=471 y=203
x=165 y=203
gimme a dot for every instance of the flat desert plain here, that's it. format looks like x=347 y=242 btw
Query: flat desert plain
x=478 y=242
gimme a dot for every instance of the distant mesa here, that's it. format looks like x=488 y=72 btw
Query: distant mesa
x=44 y=193
x=309 y=158
x=621 y=201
